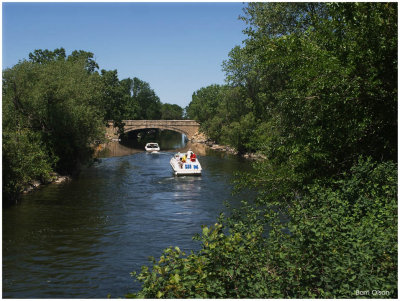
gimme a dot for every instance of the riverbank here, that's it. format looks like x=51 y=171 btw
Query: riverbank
x=36 y=184
x=230 y=150
x=202 y=139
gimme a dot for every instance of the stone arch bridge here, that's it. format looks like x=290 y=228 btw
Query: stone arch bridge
x=188 y=127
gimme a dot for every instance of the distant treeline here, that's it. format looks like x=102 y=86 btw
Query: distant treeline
x=314 y=89
x=55 y=108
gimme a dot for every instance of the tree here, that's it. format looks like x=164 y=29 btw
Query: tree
x=171 y=112
x=149 y=102
x=61 y=102
x=44 y=56
x=24 y=160
x=91 y=65
x=55 y=108
x=323 y=98
x=132 y=107
x=204 y=103
x=113 y=96
x=242 y=70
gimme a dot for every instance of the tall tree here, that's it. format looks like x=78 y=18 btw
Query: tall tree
x=204 y=103
x=91 y=65
x=149 y=102
x=132 y=105
x=44 y=56
x=171 y=112
x=59 y=100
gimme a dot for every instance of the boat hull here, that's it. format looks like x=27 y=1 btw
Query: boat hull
x=185 y=168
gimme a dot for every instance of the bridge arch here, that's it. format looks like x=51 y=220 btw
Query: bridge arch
x=126 y=130
x=186 y=127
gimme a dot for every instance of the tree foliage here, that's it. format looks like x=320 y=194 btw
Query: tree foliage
x=24 y=159
x=171 y=112
x=55 y=109
x=56 y=99
x=321 y=78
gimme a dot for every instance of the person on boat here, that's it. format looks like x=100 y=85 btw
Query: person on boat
x=192 y=157
x=184 y=158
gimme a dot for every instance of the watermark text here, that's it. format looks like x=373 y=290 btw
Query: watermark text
x=372 y=293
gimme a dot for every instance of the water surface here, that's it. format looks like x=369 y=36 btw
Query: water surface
x=81 y=239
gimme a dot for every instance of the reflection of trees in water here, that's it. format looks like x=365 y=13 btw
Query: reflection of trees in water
x=197 y=148
x=116 y=149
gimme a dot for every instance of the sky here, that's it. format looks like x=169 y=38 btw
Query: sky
x=177 y=47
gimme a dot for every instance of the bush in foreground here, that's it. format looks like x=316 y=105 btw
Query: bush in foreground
x=336 y=240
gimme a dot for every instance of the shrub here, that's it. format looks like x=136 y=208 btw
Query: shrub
x=334 y=240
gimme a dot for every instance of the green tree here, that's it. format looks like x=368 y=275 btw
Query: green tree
x=114 y=98
x=149 y=102
x=239 y=133
x=321 y=79
x=91 y=65
x=60 y=100
x=243 y=70
x=24 y=159
x=41 y=56
x=55 y=108
x=132 y=107
x=204 y=103
x=171 y=111
x=330 y=87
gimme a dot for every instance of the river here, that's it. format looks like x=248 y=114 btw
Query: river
x=82 y=238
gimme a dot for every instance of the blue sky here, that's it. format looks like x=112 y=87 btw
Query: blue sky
x=176 y=47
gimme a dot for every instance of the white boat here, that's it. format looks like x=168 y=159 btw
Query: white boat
x=185 y=164
x=152 y=147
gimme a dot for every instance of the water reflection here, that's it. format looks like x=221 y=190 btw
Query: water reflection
x=115 y=149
